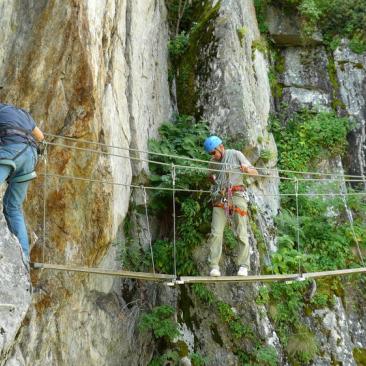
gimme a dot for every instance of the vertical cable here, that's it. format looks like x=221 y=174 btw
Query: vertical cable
x=174 y=235
x=350 y=219
x=148 y=228
x=45 y=158
x=298 y=222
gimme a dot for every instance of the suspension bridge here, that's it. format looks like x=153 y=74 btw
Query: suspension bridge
x=174 y=278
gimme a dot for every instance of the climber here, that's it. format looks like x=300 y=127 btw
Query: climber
x=18 y=156
x=229 y=202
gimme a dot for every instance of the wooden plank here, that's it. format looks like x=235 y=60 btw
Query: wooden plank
x=229 y=279
x=106 y=272
x=271 y=278
x=200 y=279
x=338 y=272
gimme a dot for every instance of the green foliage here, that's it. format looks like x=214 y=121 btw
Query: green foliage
x=358 y=43
x=302 y=346
x=266 y=356
x=260 y=45
x=198 y=360
x=195 y=20
x=241 y=32
x=178 y=45
x=266 y=155
x=263 y=296
x=325 y=234
x=359 y=354
x=335 y=19
x=309 y=137
x=228 y=316
x=260 y=8
x=183 y=137
x=205 y=295
x=160 y=322
x=170 y=357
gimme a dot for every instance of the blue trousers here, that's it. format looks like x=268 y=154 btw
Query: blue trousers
x=16 y=192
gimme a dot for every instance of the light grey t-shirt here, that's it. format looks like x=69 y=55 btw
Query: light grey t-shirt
x=229 y=173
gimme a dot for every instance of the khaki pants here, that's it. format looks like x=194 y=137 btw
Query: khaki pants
x=240 y=230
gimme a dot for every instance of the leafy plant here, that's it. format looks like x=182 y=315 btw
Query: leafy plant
x=178 y=45
x=198 y=360
x=241 y=32
x=302 y=345
x=266 y=356
x=160 y=322
x=170 y=356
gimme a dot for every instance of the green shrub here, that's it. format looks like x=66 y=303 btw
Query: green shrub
x=160 y=322
x=266 y=356
x=198 y=360
x=302 y=346
x=178 y=45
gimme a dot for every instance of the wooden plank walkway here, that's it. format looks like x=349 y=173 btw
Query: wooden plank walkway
x=105 y=272
x=200 y=279
x=271 y=278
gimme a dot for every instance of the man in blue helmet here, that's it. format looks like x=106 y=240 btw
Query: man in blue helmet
x=18 y=156
x=229 y=202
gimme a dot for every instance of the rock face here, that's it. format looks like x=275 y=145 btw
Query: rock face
x=98 y=71
x=92 y=71
x=15 y=290
x=351 y=75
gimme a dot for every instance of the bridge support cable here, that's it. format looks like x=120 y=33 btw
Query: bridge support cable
x=350 y=219
x=174 y=278
x=148 y=228
x=173 y=172
x=99 y=144
x=45 y=161
x=298 y=223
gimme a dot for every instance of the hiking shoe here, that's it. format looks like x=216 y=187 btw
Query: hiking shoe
x=243 y=271
x=215 y=272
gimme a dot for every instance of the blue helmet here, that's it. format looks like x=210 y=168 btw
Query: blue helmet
x=211 y=143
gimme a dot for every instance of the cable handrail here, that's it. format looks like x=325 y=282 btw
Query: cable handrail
x=362 y=177
x=206 y=168
x=102 y=181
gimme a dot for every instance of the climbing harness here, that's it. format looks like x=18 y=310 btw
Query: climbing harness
x=231 y=209
x=29 y=141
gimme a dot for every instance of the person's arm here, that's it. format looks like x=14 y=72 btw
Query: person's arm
x=245 y=165
x=38 y=134
x=248 y=169
x=212 y=175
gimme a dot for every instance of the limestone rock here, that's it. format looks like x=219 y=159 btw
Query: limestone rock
x=306 y=82
x=15 y=290
x=92 y=71
x=351 y=75
x=285 y=28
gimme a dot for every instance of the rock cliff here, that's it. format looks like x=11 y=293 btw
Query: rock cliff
x=101 y=72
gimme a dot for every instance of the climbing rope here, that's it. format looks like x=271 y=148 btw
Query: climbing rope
x=148 y=228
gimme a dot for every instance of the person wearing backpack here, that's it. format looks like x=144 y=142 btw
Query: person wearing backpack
x=19 y=136
x=229 y=200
